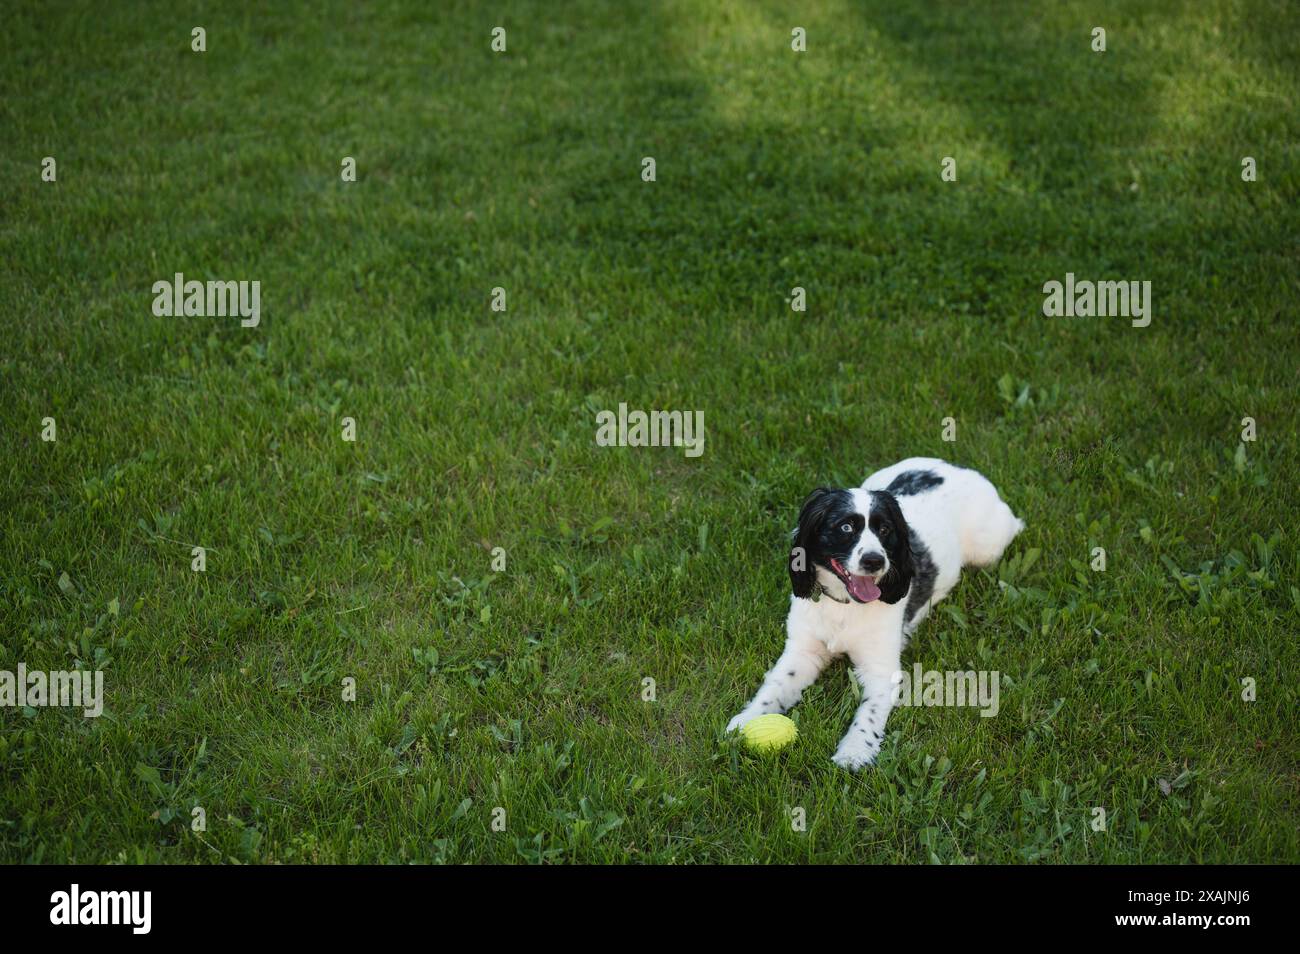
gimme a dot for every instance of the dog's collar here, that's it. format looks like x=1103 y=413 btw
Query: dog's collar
x=819 y=591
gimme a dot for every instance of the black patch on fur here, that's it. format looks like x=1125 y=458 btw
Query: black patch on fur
x=912 y=482
x=924 y=573
x=888 y=524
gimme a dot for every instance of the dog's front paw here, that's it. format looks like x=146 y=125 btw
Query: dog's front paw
x=738 y=720
x=854 y=757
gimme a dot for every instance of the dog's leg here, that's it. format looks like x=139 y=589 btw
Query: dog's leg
x=875 y=664
x=800 y=664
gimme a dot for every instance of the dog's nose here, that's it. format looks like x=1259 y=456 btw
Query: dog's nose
x=872 y=562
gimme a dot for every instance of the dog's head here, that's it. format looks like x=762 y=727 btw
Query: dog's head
x=855 y=543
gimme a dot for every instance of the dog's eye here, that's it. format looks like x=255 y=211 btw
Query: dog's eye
x=882 y=531
x=846 y=528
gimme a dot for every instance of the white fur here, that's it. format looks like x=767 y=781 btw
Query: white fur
x=962 y=522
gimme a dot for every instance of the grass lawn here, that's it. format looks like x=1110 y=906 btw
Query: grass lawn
x=522 y=689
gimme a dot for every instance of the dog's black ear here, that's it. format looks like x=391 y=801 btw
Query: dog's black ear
x=895 y=584
x=802 y=572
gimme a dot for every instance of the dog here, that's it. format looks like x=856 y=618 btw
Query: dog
x=867 y=565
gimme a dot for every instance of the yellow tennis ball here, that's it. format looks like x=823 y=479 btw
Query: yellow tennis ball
x=768 y=733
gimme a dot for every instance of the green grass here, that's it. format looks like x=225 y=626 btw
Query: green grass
x=523 y=689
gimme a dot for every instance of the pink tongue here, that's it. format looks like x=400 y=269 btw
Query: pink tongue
x=863 y=589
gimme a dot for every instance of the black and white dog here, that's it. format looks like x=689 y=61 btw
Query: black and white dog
x=866 y=567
